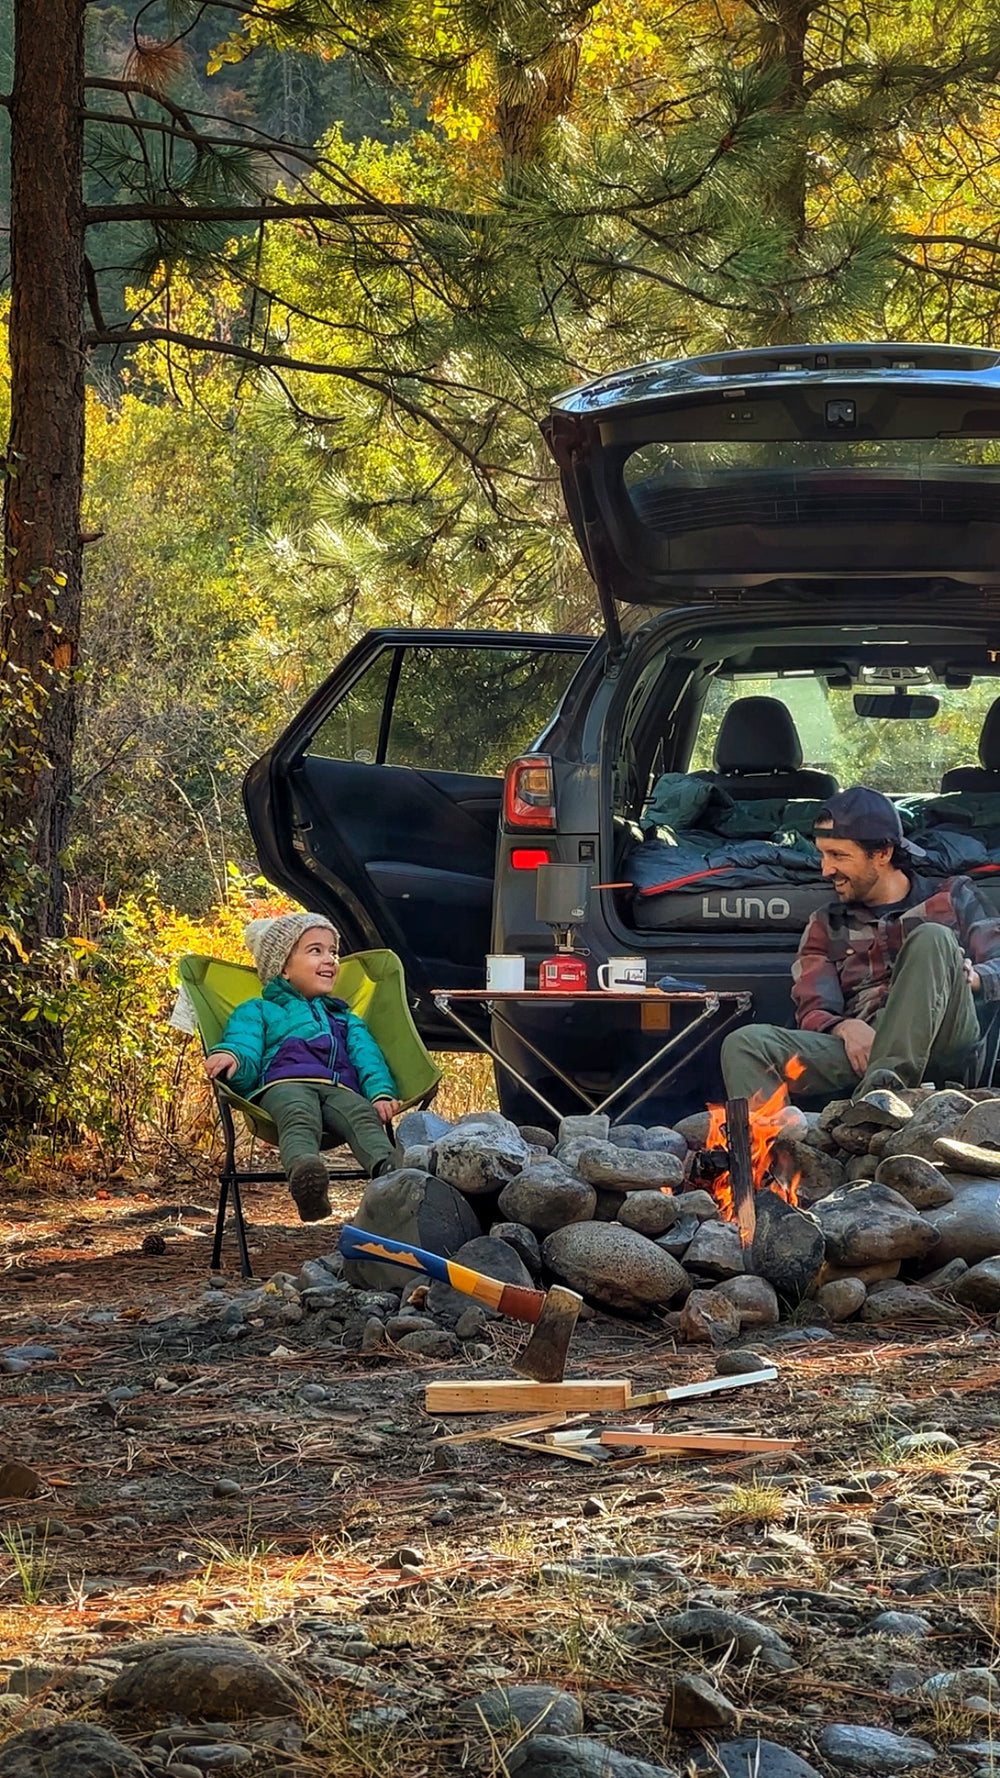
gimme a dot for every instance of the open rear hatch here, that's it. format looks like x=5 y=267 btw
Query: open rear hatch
x=774 y=472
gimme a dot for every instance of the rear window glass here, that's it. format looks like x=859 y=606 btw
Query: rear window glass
x=888 y=753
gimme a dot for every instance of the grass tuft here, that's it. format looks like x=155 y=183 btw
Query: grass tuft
x=32 y=1563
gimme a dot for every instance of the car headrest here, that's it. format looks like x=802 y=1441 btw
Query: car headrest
x=989 y=740
x=758 y=735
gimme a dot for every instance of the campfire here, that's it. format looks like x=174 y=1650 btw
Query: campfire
x=736 y=1160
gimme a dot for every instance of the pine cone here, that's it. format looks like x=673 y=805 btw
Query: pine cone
x=154 y=1244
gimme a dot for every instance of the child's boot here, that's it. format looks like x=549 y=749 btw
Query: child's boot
x=308 y=1182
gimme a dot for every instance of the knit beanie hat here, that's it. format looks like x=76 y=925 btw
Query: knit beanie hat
x=271 y=942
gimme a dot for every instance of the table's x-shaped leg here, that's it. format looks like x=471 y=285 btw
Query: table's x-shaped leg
x=711 y=1008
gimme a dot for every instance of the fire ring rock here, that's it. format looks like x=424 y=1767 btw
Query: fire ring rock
x=547 y=1196
x=481 y=1156
x=716 y=1250
x=651 y=1213
x=613 y=1264
x=918 y=1181
x=69 y=1750
x=788 y=1246
x=969 y=1227
x=755 y=1299
x=415 y=1207
x=709 y=1319
x=627 y=1169
x=937 y=1116
x=863 y=1223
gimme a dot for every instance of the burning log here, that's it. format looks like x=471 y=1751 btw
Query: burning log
x=741 y=1171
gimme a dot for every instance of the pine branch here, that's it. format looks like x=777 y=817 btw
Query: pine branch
x=183 y=117
x=95 y=214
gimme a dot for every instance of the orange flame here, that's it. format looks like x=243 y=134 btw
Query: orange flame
x=769 y=1114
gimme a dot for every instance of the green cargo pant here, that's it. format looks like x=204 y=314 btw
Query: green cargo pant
x=306 y=1110
x=927 y=1029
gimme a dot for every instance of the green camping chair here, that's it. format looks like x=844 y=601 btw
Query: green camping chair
x=374 y=987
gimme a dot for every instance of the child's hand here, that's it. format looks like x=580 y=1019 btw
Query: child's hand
x=221 y=1062
x=388 y=1109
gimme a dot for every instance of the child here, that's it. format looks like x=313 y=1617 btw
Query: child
x=311 y=1063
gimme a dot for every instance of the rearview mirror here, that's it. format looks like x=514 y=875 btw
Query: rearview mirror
x=896 y=705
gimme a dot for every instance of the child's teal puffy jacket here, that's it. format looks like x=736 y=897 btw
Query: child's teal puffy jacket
x=258 y=1028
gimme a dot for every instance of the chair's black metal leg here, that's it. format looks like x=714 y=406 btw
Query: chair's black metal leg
x=227 y=1180
x=220 y=1223
x=241 y=1230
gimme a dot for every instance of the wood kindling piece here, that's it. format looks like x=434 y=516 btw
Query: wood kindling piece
x=741 y=1167
x=695 y=1441
x=711 y=1386
x=507 y=1397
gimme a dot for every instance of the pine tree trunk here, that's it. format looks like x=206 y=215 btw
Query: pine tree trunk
x=41 y=594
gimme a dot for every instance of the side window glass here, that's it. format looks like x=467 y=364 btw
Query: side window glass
x=473 y=709
x=351 y=729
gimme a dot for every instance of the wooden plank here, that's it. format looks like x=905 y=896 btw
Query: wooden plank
x=507 y=1397
x=695 y=1441
x=526 y=1444
x=512 y=1428
x=711 y=1386
x=741 y=1167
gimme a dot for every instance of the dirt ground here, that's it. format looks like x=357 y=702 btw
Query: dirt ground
x=186 y=1479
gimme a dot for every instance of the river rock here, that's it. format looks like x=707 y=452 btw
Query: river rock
x=409 y=1206
x=752 y=1759
x=709 y=1319
x=481 y=1154
x=817 y=1173
x=576 y=1756
x=69 y=1750
x=219 y=1679
x=841 y=1298
x=694 y=1129
x=979 y=1287
x=663 y=1139
x=541 y=1709
x=908 y=1302
x=881 y=1108
x=691 y=1703
x=484 y=1254
x=677 y=1240
x=651 y=1213
x=524 y=1242
x=964 y=1157
x=969 y=1227
x=613 y=1264
x=547 y=1196
x=419 y=1129
x=938 y=1115
x=981 y=1124
x=608 y=1204
x=918 y=1181
x=697 y=1203
x=943 y=1277
x=853 y=1747
x=536 y=1136
x=860 y=1166
x=716 y=1250
x=628 y=1169
x=754 y=1298
x=871 y=1222
x=715 y=1632
x=788 y=1247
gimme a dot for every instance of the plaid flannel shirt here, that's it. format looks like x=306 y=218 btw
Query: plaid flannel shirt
x=844 y=964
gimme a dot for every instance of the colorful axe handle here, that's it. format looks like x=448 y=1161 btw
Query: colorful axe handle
x=510 y=1299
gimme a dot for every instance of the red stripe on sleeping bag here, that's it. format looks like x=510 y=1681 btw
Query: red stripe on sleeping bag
x=718 y=870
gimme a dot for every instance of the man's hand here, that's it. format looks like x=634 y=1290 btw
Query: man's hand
x=972 y=975
x=388 y=1109
x=221 y=1062
x=857 y=1039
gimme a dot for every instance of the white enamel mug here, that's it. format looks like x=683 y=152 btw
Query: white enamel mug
x=622 y=975
x=505 y=975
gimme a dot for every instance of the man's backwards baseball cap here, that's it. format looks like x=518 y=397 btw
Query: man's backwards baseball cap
x=864 y=815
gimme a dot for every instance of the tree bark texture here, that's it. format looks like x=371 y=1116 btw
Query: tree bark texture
x=41 y=595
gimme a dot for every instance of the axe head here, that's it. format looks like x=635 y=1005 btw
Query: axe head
x=544 y=1356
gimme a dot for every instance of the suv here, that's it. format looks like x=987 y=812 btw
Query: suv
x=796 y=554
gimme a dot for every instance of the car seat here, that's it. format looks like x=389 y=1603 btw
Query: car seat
x=986 y=775
x=758 y=754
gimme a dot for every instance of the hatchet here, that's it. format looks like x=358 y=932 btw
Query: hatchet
x=553 y=1312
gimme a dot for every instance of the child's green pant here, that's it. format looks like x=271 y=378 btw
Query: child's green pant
x=306 y=1110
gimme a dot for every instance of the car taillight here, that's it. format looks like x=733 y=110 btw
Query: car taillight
x=529 y=857
x=529 y=798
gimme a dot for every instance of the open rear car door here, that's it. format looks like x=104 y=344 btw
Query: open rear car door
x=379 y=804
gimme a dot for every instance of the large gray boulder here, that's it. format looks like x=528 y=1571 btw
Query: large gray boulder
x=547 y=1196
x=415 y=1207
x=788 y=1247
x=969 y=1227
x=481 y=1154
x=614 y=1265
x=862 y=1223
x=219 y=1679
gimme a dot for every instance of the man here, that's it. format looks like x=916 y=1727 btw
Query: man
x=884 y=980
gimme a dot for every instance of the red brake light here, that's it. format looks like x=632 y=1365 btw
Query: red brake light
x=529 y=798
x=529 y=857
